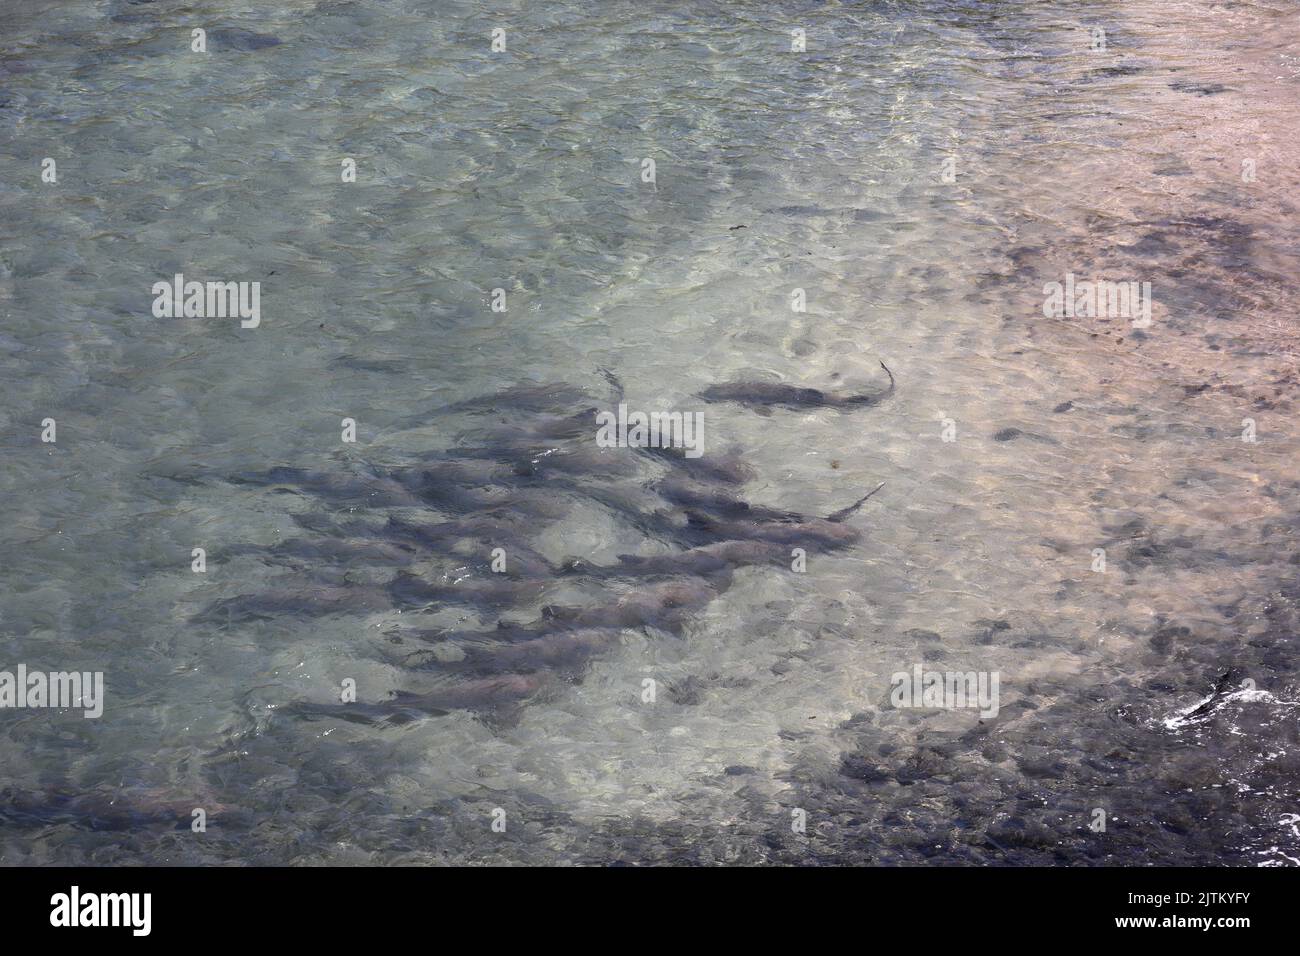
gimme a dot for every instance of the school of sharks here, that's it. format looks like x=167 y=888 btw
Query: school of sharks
x=478 y=507
x=647 y=432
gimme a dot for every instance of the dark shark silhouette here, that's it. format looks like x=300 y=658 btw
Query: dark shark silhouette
x=503 y=482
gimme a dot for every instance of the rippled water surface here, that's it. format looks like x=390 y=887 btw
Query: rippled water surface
x=523 y=170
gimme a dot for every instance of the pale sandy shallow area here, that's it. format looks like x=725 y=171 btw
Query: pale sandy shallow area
x=1123 y=164
x=1217 y=135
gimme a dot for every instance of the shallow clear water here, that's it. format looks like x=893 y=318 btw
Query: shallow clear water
x=522 y=170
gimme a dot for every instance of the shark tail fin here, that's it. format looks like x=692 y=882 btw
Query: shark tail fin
x=891 y=379
x=843 y=513
x=615 y=383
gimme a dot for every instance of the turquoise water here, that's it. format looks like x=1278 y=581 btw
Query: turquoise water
x=522 y=170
